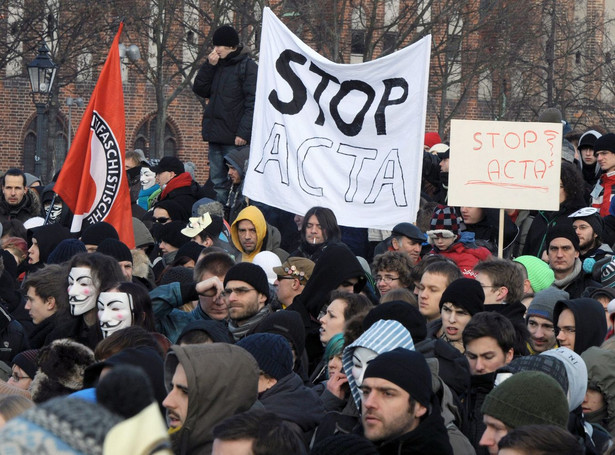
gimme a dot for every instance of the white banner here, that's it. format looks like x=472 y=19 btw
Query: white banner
x=346 y=137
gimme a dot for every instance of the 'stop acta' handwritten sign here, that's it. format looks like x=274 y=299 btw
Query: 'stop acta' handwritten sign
x=512 y=165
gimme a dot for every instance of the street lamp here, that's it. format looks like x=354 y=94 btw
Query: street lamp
x=42 y=72
x=70 y=102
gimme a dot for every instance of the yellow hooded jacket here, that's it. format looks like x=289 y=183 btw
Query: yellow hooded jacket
x=254 y=215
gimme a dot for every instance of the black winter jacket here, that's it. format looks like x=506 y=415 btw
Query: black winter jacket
x=230 y=87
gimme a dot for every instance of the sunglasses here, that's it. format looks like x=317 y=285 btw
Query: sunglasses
x=161 y=220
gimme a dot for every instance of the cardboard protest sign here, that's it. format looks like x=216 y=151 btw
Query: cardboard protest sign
x=347 y=137
x=512 y=165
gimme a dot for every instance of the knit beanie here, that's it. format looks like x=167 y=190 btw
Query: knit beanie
x=550 y=115
x=404 y=313
x=528 y=398
x=605 y=142
x=97 y=232
x=65 y=250
x=143 y=237
x=592 y=216
x=607 y=276
x=465 y=293
x=564 y=230
x=171 y=233
x=394 y=367
x=176 y=211
x=588 y=139
x=444 y=221
x=272 y=353
x=225 y=36
x=116 y=249
x=550 y=365
x=344 y=444
x=60 y=426
x=179 y=274
x=190 y=250
x=251 y=274
x=26 y=360
x=289 y=324
x=539 y=273
x=544 y=301
x=431 y=139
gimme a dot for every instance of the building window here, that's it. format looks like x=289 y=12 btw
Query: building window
x=146 y=139
x=55 y=157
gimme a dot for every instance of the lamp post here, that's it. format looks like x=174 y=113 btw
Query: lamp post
x=42 y=72
x=70 y=102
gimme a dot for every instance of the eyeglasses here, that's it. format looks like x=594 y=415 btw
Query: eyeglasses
x=566 y=330
x=237 y=291
x=161 y=220
x=17 y=378
x=386 y=278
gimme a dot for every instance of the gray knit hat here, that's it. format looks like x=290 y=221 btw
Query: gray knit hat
x=528 y=398
x=544 y=301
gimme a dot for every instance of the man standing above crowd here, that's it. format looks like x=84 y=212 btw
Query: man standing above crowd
x=17 y=202
x=228 y=80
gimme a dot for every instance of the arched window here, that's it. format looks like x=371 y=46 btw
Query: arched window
x=55 y=157
x=145 y=138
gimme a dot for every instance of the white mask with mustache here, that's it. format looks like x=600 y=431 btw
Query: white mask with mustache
x=114 y=311
x=82 y=290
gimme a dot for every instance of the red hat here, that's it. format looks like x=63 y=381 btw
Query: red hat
x=432 y=139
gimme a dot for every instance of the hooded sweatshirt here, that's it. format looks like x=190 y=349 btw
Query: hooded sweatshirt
x=267 y=237
x=600 y=373
x=48 y=237
x=590 y=323
x=222 y=381
x=383 y=336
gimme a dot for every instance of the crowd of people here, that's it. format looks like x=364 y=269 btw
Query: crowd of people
x=234 y=327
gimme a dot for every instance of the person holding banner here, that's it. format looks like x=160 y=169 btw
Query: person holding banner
x=228 y=80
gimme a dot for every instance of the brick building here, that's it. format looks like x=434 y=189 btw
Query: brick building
x=470 y=74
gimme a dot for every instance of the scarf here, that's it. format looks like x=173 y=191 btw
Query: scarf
x=561 y=284
x=240 y=331
x=144 y=195
x=179 y=181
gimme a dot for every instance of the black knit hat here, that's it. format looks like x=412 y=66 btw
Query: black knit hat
x=591 y=215
x=272 y=353
x=588 y=139
x=344 y=444
x=225 y=36
x=397 y=310
x=394 y=367
x=171 y=233
x=65 y=250
x=288 y=324
x=26 y=360
x=465 y=293
x=190 y=250
x=605 y=142
x=251 y=274
x=169 y=164
x=179 y=274
x=564 y=230
x=175 y=210
x=116 y=249
x=97 y=232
